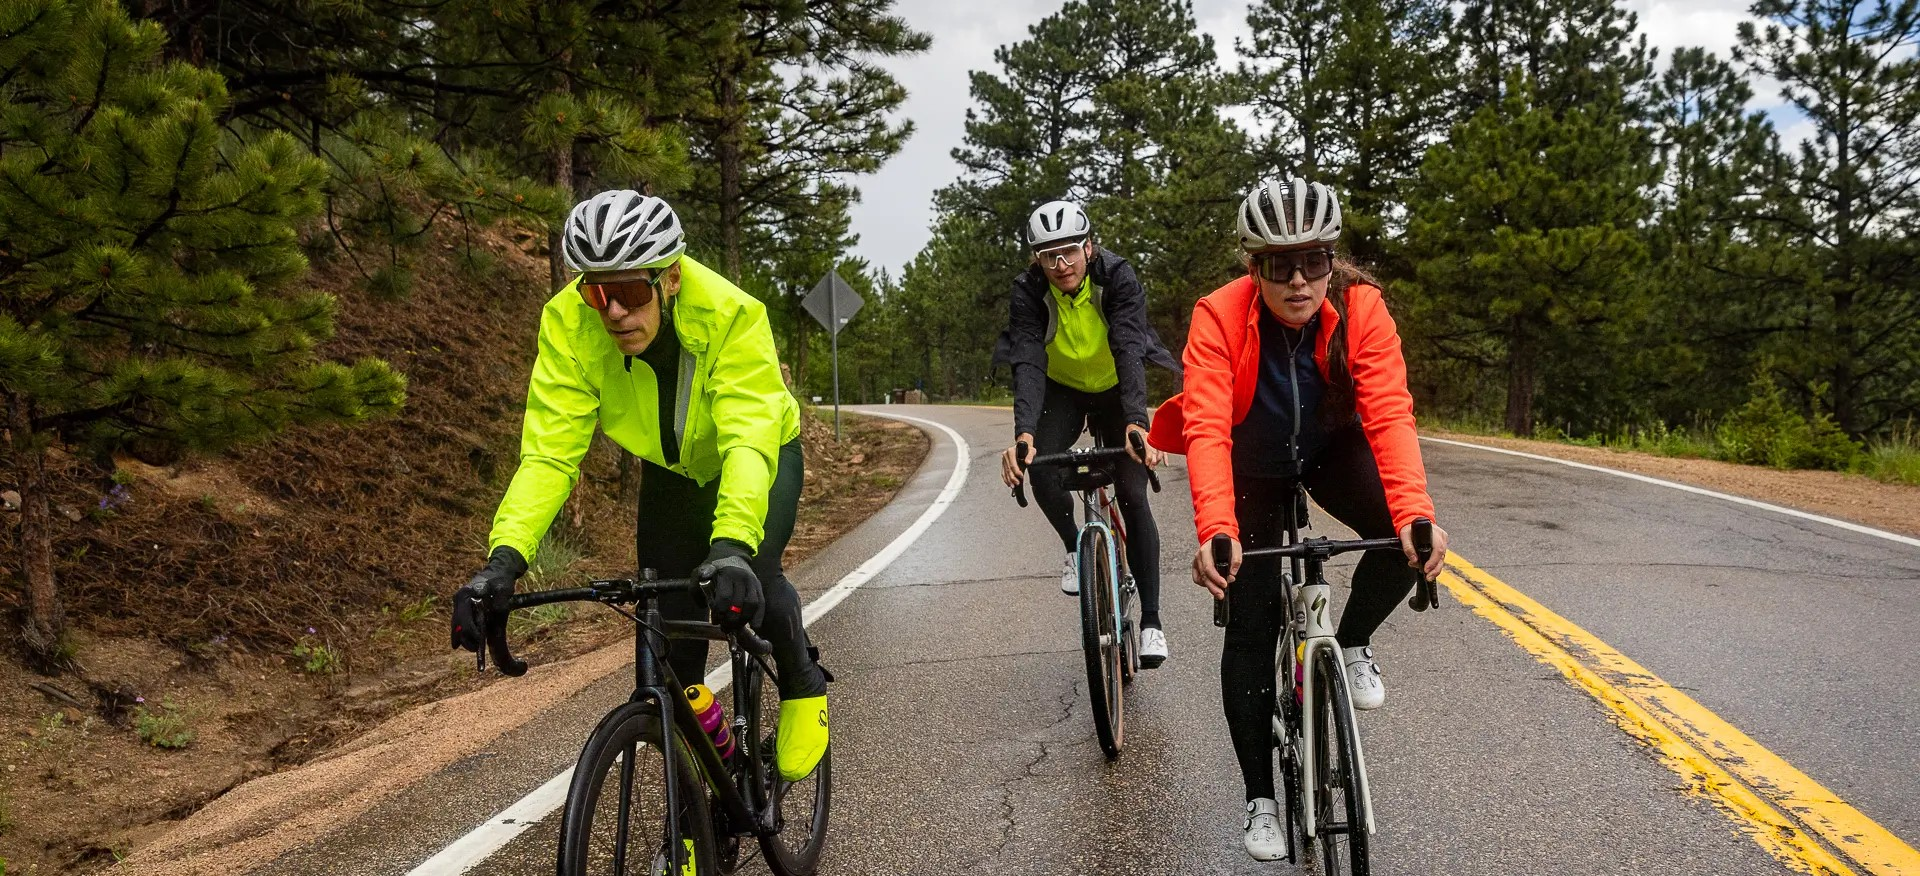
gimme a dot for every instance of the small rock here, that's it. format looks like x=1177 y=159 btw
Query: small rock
x=10 y=500
x=68 y=511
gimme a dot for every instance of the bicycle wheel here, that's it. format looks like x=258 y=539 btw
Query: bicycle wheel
x=1100 y=639
x=616 y=818
x=800 y=808
x=1337 y=813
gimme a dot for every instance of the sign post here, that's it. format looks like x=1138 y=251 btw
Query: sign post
x=833 y=303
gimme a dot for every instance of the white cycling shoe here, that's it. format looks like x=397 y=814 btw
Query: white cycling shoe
x=1153 y=648
x=1264 y=837
x=1363 y=678
x=1070 y=576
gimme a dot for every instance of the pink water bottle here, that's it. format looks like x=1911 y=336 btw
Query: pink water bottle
x=713 y=719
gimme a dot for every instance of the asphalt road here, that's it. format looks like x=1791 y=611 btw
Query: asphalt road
x=963 y=744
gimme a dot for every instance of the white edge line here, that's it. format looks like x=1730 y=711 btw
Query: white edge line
x=492 y=835
x=1738 y=500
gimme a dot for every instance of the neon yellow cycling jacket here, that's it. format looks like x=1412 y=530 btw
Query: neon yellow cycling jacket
x=732 y=412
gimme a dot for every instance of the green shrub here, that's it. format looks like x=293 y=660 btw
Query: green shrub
x=1768 y=431
x=167 y=728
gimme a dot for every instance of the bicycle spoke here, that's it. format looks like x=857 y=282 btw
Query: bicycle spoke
x=623 y=823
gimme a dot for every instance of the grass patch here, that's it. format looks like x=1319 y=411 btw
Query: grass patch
x=532 y=622
x=167 y=728
x=551 y=566
x=551 y=563
x=1894 y=459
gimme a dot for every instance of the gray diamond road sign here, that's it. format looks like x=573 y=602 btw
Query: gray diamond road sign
x=832 y=302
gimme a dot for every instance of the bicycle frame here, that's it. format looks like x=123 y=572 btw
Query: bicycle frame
x=1101 y=512
x=657 y=690
x=1309 y=625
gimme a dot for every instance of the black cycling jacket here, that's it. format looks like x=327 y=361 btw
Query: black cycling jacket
x=1033 y=318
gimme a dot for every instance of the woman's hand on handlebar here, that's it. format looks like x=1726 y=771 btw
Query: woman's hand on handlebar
x=491 y=587
x=1205 y=575
x=1011 y=464
x=1153 y=457
x=1436 y=562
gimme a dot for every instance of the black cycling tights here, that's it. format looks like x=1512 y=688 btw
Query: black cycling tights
x=1065 y=413
x=675 y=530
x=1344 y=479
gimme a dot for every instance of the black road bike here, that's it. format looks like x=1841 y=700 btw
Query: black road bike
x=1329 y=806
x=652 y=793
x=1109 y=617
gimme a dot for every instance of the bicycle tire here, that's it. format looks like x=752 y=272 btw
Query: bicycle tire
x=784 y=856
x=1337 y=771
x=1104 y=687
x=618 y=742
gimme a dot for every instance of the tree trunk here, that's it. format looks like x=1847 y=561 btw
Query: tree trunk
x=1521 y=364
x=732 y=125
x=563 y=177
x=800 y=354
x=46 y=622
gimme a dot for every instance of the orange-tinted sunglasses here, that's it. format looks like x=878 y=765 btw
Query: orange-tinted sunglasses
x=630 y=293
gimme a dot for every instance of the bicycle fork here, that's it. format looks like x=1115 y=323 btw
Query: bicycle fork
x=1311 y=607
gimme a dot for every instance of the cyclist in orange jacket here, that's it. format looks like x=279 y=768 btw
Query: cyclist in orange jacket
x=1294 y=373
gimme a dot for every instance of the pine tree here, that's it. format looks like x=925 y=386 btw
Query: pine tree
x=1847 y=202
x=1525 y=223
x=1715 y=157
x=1529 y=255
x=146 y=257
x=1356 y=90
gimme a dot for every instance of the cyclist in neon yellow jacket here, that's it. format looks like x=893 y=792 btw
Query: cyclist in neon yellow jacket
x=676 y=365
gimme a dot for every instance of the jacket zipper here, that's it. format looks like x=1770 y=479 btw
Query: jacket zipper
x=687 y=364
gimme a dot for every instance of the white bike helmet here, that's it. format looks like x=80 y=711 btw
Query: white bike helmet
x=622 y=230
x=1285 y=213
x=1057 y=221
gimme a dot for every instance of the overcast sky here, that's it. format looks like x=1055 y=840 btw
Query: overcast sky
x=896 y=209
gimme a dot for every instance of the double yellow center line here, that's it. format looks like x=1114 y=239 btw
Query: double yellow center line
x=1784 y=810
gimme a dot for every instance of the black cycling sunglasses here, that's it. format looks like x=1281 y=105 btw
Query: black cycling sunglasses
x=1278 y=267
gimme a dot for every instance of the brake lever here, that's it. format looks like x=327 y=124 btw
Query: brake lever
x=1020 y=459
x=1426 y=594
x=1139 y=447
x=1222 y=547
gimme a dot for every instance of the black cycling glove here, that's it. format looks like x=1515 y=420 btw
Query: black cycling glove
x=735 y=595
x=493 y=586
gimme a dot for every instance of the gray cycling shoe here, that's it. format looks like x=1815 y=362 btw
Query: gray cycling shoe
x=1153 y=648
x=1363 y=678
x=1263 y=835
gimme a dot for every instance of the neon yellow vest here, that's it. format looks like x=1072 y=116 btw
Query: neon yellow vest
x=1078 y=355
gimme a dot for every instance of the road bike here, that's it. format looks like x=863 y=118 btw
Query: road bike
x=651 y=784
x=1109 y=617
x=1329 y=804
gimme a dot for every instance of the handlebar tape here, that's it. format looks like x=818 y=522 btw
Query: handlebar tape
x=503 y=659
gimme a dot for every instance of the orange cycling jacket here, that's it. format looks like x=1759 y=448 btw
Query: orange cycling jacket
x=1222 y=367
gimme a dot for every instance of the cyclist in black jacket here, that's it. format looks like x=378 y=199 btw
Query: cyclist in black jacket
x=1078 y=341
